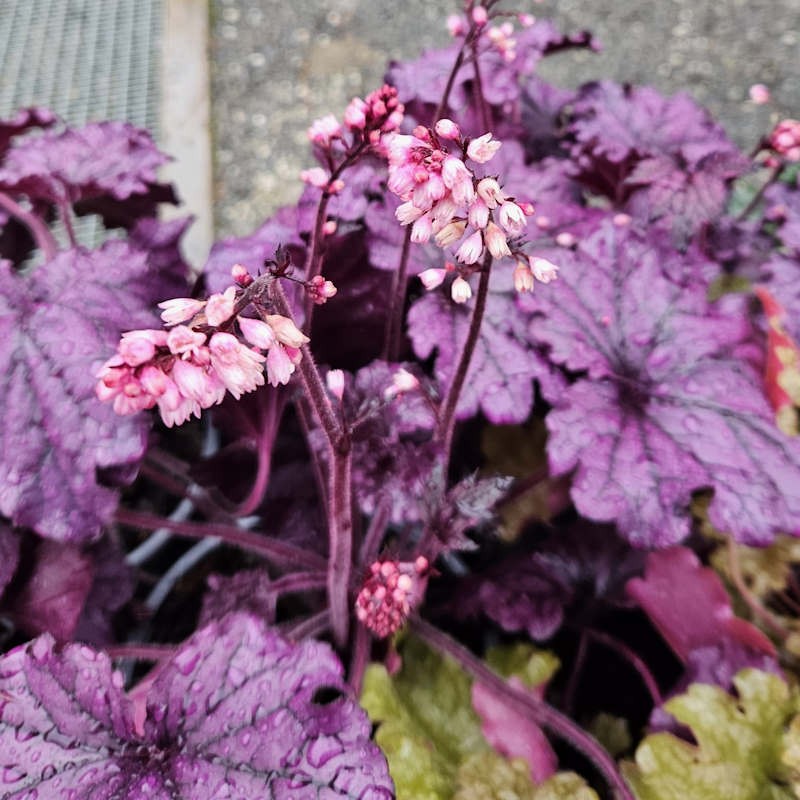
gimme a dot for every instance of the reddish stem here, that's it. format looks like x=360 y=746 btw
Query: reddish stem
x=340 y=532
x=444 y=428
x=359 y=659
x=39 y=230
x=757 y=197
x=311 y=627
x=281 y=553
x=394 y=316
x=542 y=714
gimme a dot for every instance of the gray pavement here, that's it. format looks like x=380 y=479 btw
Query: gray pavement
x=276 y=66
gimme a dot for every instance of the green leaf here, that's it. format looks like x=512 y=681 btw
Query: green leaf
x=533 y=667
x=741 y=744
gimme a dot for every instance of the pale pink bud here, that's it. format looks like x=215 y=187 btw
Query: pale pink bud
x=256 y=332
x=451 y=232
x=447 y=129
x=279 y=366
x=483 y=148
x=323 y=130
x=785 y=139
x=432 y=278
x=543 y=222
x=321 y=290
x=471 y=249
x=456 y=26
x=512 y=218
x=454 y=171
x=240 y=275
x=480 y=16
x=528 y=209
x=543 y=270
x=460 y=290
x=238 y=367
x=219 y=307
x=490 y=192
x=404 y=381
x=566 y=239
x=286 y=332
x=193 y=382
x=179 y=310
x=184 y=341
x=336 y=186
x=154 y=381
x=421 y=229
x=335 y=382
x=759 y=94
x=329 y=227
x=621 y=220
x=136 y=347
x=526 y=20
x=316 y=176
x=355 y=115
x=478 y=214
x=496 y=241
x=523 y=278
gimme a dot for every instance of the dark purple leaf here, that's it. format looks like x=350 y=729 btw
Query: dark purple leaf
x=668 y=405
x=542 y=109
x=249 y=590
x=111 y=160
x=253 y=250
x=690 y=607
x=57 y=326
x=9 y=555
x=55 y=591
x=24 y=120
x=740 y=246
x=234 y=714
x=505 y=364
x=161 y=242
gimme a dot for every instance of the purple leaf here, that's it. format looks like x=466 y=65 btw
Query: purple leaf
x=505 y=364
x=690 y=607
x=542 y=107
x=249 y=590
x=57 y=326
x=234 y=714
x=161 y=242
x=9 y=555
x=24 y=120
x=111 y=160
x=53 y=596
x=783 y=206
x=253 y=250
x=667 y=405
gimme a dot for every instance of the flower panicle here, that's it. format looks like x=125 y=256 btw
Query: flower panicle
x=205 y=350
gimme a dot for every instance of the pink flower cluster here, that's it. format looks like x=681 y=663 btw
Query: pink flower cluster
x=191 y=366
x=499 y=37
x=444 y=199
x=365 y=122
x=392 y=589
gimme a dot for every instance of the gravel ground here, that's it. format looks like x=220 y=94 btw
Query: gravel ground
x=277 y=66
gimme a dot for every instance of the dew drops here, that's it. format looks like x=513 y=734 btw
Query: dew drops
x=13 y=774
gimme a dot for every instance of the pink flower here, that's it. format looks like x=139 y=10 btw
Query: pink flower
x=238 y=367
x=390 y=592
x=447 y=129
x=421 y=229
x=323 y=130
x=566 y=239
x=316 y=176
x=432 y=278
x=258 y=333
x=480 y=16
x=137 y=347
x=471 y=249
x=180 y=309
x=458 y=179
x=483 y=148
x=219 y=307
x=402 y=382
x=478 y=214
x=197 y=383
x=512 y=218
x=406 y=213
x=460 y=291
x=456 y=26
x=321 y=290
x=785 y=139
x=279 y=366
x=355 y=115
x=240 y=275
x=335 y=383
x=543 y=270
x=183 y=341
x=759 y=94
x=523 y=278
x=490 y=192
x=496 y=241
x=451 y=232
x=286 y=332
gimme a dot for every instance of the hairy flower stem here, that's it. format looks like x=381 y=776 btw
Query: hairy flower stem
x=394 y=316
x=39 y=230
x=447 y=413
x=277 y=552
x=483 y=108
x=542 y=714
x=758 y=196
x=359 y=659
x=313 y=265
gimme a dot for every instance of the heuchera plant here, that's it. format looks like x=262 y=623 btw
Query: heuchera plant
x=575 y=310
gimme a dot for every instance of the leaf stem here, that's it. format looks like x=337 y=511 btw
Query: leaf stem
x=444 y=428
x=340 y=532
x=394 y=316
x=543 y=714
x=35 y=224
x=273 y=550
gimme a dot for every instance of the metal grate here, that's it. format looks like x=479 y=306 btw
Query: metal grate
x=87 y=60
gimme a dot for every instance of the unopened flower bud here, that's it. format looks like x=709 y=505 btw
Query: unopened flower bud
x=355 y=115
x=451 y=232
x=460 y=290
x=621 y=220
x=496 y=241
x=180 y=309
x=320 y=290
x=286 y=332
x=316 y=176
x=456 y=26
x=257 y=332
x=523 y=278
x=432 y=278
x=471 y=249
x=329 y=227
x=480 y=16
x=219 y=307
x=542 y=269
x=566 y=239
x=335 y=382
x=240 y=275
x=759 y=94
x=447 y=129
